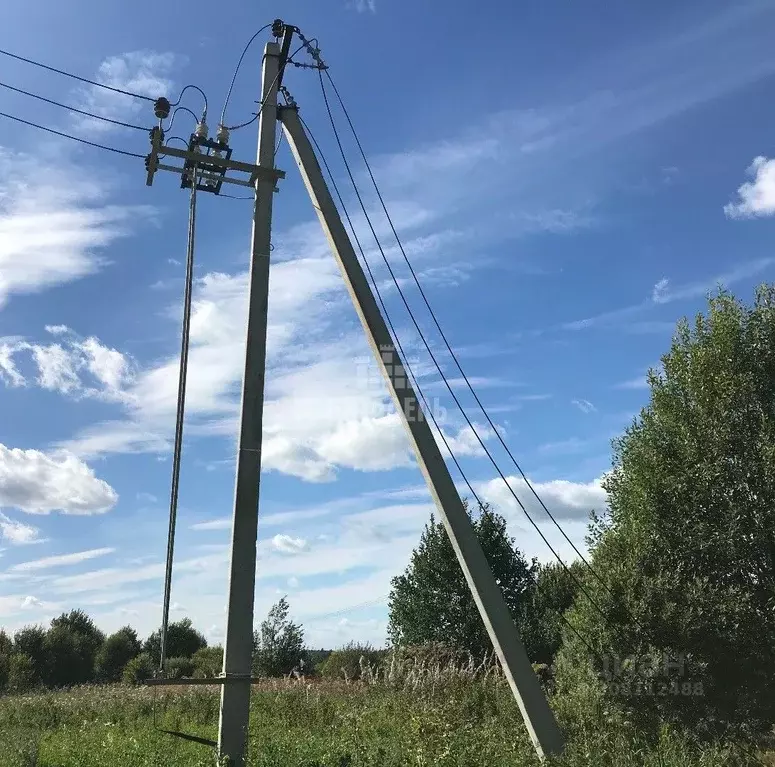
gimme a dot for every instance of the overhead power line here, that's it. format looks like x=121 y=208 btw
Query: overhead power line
x=236 y=71
x=261 y=103
x=410 y=373
x=72 y=138
x=77 y=77
x=73 y=109
x=430 y=352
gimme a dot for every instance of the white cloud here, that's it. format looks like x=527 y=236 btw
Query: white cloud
x=40 y=483
x=61 y=559
x=54 y=222
x=658 y=294
x=143 y=72
x=757 y=197
x=61 y=365
x=564 y=499
x=584 y=405
x=289 y=545
x=17 y=532
x=9 y=373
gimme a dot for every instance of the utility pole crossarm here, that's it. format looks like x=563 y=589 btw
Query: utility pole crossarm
x=539 y=719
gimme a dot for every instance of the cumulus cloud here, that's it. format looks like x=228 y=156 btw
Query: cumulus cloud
x=74 y=367
x=756 y=197
x=564 y=499
x=39 y=483
x=289 y=545
x=144 y=72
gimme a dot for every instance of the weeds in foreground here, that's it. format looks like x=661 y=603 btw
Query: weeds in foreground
x=407 y=713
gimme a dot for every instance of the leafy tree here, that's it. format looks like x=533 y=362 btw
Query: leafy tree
x=116 y=651
x=30 y=641
x=551 y=597
x=183 y=640
x=278 y=646
x=22 y=675
x=71 y=646
x=6 y=648
x=687 y=551
x=431 y=601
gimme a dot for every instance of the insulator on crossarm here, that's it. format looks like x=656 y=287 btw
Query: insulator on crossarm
x=201 y=129
x=161 y=108
x=222 y=136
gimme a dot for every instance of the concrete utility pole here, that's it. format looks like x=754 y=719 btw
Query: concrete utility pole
x=238 y=648
x=538 y=717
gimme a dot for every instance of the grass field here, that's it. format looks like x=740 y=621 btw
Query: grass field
x=458 y=722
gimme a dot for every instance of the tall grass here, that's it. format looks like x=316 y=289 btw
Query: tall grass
x=403 y=712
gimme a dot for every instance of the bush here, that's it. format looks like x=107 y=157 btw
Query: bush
x=345 y=663
x=138 y=669
x=179 y=667
x=208 y=662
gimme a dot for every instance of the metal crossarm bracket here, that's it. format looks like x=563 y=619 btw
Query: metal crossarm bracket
x=210 y=167
x=211 y=680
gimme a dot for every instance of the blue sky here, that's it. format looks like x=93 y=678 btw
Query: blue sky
x=568 y=182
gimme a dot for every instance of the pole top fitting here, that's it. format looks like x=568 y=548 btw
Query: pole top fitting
x=278 y=28
x=161 y=108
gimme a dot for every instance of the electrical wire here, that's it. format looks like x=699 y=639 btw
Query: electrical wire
x=176 y=138
x=73 y=138
x=77 y=77
x=261 y=104
x=236 y=70
x=193 y=87
x=73 y=109
x=178 y=109
x=179 y=418
x=444 y=338
x=404 y=359
x=438 y=366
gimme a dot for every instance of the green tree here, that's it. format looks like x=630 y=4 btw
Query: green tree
x=71 y=646
x=551 y=596
x=116 y=651
x=30 y=641
x=22 y=675
x=431 y=601
x=278 y=646
x=686 y=552
x=183 y=640
x=6 y=648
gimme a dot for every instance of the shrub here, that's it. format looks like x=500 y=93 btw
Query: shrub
x=138 y=669
x=208 y=662
x=179 y=667
x=346 y=661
